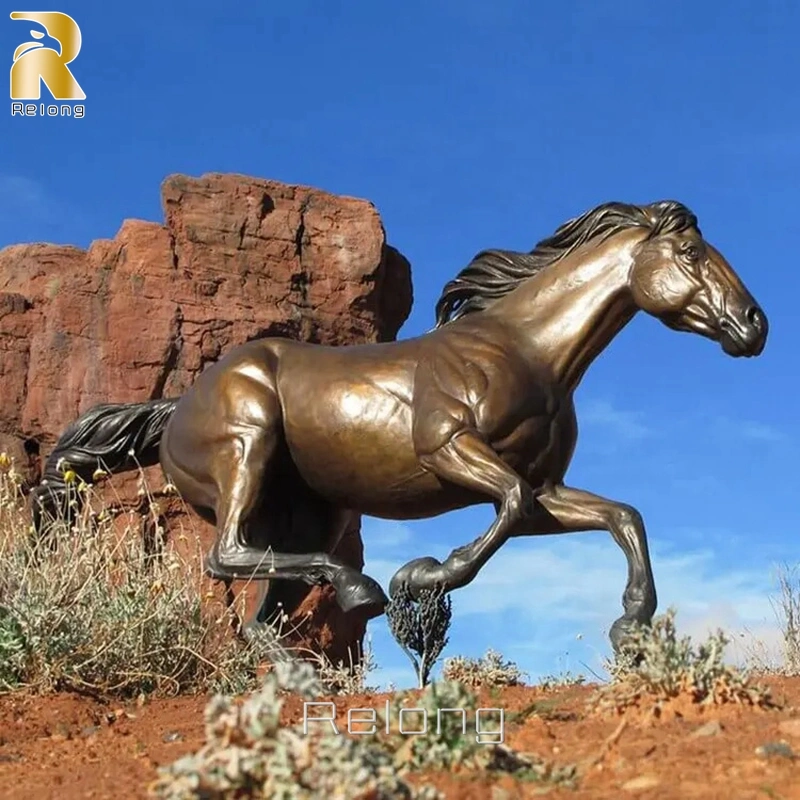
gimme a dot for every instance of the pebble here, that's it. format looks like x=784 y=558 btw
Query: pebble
x=172 y=736
x=711 y=728
x=61 y=732
x=640 y=783
x=780 y=749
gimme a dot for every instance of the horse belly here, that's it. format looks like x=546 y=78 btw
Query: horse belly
x=353 y=445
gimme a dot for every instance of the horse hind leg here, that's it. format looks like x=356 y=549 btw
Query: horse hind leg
x=229 y=451
x=241 y=465
x=315 y=525
x=244 y=467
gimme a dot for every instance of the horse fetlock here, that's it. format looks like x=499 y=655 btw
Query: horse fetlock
x=639 y=605
x=459 y=560
x=418 y=575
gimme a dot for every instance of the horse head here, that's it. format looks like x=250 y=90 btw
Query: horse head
x=679 y=278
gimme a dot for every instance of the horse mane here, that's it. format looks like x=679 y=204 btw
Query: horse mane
x=492 y=274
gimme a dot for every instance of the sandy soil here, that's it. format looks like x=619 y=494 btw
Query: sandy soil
x=69 y=747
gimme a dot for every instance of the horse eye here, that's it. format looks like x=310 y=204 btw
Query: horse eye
x=692 y=252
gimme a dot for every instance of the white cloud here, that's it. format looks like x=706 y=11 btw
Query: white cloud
x=624 y=424
x=548 y=602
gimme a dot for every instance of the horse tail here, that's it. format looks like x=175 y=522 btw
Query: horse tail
x=114 y=438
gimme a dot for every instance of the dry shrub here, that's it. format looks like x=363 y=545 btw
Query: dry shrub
x=787 y=609
x=667 y=666
x=248 y=753
x=784 y=660
x=561 y=680
x=490 y=670
x=343 y=678
x=453 y=741
x=85 y=608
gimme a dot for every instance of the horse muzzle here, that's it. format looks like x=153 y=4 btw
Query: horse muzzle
x=744 y=333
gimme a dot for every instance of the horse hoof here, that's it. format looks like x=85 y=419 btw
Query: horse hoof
x=418 y=575
x=621 y=634
x=356 y=590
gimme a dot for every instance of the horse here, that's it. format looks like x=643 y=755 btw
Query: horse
x=281 y=442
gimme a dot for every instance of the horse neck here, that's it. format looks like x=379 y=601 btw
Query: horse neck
x=565 y=316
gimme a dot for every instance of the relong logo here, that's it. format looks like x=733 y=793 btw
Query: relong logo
x=35 y=63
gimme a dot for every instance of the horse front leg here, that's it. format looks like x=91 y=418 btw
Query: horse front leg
x=562 y=509
x=468 y=461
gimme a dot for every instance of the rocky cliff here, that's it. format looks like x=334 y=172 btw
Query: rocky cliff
x=139 y=316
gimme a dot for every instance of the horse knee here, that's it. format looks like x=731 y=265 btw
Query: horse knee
x=626 y=516
x=520 y=501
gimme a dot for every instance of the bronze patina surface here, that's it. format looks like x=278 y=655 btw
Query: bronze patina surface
x=280 y=441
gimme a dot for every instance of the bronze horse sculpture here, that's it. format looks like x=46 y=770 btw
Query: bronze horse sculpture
x=280 y=441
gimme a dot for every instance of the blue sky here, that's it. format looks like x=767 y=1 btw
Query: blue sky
x=472 y=125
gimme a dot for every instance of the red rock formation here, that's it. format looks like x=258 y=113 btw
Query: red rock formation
x=139 y=316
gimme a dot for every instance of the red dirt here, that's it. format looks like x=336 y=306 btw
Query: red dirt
x=68 y=747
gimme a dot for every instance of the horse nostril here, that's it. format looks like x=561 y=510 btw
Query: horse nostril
x=754 y=316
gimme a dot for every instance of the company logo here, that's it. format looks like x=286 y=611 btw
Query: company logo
x=35 y=63
x=495 y=717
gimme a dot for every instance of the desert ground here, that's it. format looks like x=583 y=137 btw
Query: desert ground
x=66 y=746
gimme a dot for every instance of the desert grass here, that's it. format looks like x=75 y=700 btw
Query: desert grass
x=490 y=670
x=782 y=659
x=657 y=665
x=95 y=607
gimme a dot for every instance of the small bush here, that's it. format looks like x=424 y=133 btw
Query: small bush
x=249 y=754
x=420 y=628
x=561 y=680
x=448 y=740
x=452 y=741
x=788 y=612
x=783 y=659
x=489 y=670
x=346 y=678
x=84 y=608
x=665 y=666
